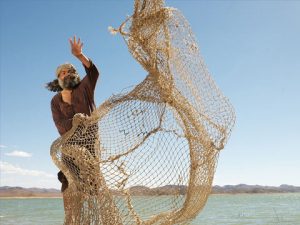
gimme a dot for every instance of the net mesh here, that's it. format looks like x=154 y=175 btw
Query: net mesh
x=148 y=156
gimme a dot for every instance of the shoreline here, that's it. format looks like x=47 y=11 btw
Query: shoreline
x=31 y=197
x=217 y=194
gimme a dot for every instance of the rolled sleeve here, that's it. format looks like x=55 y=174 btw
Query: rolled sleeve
x=92 y=74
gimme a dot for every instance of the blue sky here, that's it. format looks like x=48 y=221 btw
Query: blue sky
x=250 y=47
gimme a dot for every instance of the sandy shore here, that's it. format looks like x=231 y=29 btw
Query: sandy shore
x=14 y=197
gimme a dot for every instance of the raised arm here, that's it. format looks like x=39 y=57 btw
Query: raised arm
x=76 y=49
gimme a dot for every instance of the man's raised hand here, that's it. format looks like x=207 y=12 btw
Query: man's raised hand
x=76 y=46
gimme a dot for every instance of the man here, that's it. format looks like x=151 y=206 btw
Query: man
x=74 y=96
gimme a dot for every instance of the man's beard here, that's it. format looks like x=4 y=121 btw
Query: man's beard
x=70 y=81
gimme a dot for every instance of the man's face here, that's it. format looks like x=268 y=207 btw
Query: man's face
x=65 y=72
x=68 y=78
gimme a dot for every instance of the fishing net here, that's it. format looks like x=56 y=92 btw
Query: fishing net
x=148 y=156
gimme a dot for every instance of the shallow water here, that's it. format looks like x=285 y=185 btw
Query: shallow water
x=240 y=209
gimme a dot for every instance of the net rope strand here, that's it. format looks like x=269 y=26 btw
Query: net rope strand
x=148 y=156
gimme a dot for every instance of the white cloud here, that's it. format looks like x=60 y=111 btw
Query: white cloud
x=19 y=154
x=3 y=146
x=7 y=168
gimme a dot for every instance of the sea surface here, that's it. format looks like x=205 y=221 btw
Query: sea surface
x=239 y=209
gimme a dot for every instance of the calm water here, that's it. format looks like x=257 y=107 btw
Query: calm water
x=264 y=209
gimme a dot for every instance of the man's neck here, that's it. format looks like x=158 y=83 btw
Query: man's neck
x=67 y=96
x=66 y=91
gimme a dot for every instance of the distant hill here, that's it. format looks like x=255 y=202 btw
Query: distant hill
x=227 y=189
x=145 y=191
x=7 y=191
x=244 y=188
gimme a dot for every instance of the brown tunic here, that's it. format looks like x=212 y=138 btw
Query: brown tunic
x=82 y=101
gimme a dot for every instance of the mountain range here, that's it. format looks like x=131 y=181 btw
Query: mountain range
x=6 y=191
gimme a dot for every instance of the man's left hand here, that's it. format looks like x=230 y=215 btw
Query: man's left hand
x=76 y=46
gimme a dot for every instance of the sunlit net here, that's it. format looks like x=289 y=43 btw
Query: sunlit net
x=148 y=156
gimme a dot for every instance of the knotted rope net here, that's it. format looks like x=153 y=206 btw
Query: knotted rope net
x=148 y=156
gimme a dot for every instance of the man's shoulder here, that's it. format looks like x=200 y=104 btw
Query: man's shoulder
x=55 y=98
